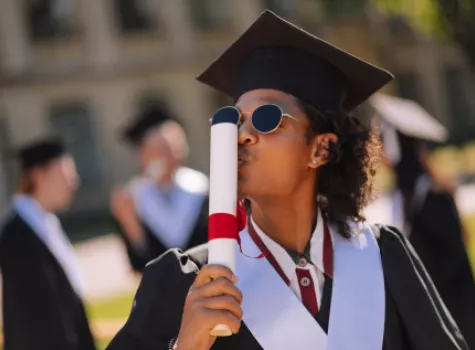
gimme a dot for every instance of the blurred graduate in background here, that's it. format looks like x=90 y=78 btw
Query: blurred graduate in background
x=166 y=205
x=42 y=286
x=424 y=208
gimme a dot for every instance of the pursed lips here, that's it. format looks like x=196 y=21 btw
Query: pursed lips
x=243 y=157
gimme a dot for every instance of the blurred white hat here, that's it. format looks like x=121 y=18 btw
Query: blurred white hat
x=396 y=114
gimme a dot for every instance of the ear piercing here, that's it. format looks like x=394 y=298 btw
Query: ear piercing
x=314 y=161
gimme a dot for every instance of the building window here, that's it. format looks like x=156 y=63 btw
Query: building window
x=7 y=159
x=462 y=118
x=407 y=86
x=73 y=123
x=284 y=8
x=210 y=14
x=400 y=31
x=344 y=8
x=135 y=15
x=51 y=18
x=221 y=100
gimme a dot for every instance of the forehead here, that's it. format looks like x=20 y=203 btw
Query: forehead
x=66 y=162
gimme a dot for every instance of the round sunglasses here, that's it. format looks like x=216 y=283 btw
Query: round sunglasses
x=265 y=119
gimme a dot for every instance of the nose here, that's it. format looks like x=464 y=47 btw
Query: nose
x=247 y=135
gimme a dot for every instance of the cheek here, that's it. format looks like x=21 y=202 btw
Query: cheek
x=288 y=156
x=281 y=163
x=68 y=179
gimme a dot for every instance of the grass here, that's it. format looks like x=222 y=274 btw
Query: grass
x=108 y=316
x=469 y=223
x=117 y=307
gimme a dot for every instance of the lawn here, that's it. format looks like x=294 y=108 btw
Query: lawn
x=108 y=316
x=470 y=226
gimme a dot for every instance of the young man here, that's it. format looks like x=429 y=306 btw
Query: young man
x=167 y=205
x=42 y=287
x=319 y=279
x=425 y=210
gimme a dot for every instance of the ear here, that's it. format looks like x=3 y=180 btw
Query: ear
x=319 y=150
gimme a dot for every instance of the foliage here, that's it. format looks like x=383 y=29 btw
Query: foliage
x=423 y=14
x=447 y=19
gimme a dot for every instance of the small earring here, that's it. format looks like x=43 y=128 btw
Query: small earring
x=314 y=161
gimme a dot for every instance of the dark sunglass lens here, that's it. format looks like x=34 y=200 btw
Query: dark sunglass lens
x=266 y=118
x=227 y=114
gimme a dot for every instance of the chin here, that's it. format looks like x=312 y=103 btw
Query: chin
x=243 y=187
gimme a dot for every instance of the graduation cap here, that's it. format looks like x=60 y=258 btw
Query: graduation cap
x=406 y=117
x=149 y=119
x=273 y=53
x=40 y=153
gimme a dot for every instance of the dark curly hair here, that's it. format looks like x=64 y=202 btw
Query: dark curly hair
x=345 y=183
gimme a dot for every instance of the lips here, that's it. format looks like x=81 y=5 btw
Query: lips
x=242 y=159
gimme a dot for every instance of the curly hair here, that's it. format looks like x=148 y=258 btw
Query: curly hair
x=345 y=183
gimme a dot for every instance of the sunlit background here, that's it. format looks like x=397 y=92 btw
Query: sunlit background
x=82 y=68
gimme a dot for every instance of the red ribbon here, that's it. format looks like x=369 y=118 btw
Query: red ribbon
x=224 y=225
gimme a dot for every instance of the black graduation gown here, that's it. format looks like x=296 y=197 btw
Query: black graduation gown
x=154 y=247
x=416 y=318
x=436 y=235
x=41 y=311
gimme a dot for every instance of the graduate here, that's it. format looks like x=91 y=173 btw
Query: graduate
x=312 y=274
x=423 y=208
x=166 y=206
x=42 y=286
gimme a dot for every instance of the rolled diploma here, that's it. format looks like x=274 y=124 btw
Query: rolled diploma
x=222 y=222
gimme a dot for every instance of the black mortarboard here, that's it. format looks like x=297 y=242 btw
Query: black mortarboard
x=276 y=54
x=40 y=153
x=149 y=119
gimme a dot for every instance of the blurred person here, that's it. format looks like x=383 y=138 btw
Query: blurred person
x=42 y=287
x=166 y=205
x=423 y=207
x=311 y=274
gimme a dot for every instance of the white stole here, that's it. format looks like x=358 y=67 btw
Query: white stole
x=171 y=220
x=278 y=320
x=48 y=229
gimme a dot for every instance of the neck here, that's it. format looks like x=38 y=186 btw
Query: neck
x=43 y=200
x=287 y=220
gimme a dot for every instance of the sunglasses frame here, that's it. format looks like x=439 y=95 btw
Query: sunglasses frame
x=282 y=115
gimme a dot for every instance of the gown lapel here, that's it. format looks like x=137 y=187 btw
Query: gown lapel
x=278 y=319
x=271 y=311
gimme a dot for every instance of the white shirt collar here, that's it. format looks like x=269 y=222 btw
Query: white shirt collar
x=284 y=259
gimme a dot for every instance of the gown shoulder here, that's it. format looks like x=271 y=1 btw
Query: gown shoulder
x=426 y=319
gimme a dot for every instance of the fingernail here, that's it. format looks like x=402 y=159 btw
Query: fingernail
x=234 y=278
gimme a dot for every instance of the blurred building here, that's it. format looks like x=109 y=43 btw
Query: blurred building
x=83 y=67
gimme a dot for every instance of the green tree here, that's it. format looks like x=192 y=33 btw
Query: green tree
x=446 y=19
